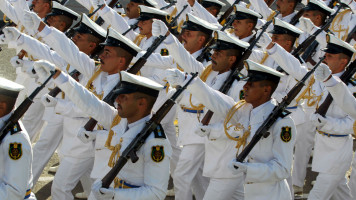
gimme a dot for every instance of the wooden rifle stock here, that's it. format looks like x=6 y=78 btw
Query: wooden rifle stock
x=23 y=107
x=351 y=35
x=234 y=74
x=139 y=140
x=296 y=17
x=345 y=77
x=227 y=13
x=278 y=111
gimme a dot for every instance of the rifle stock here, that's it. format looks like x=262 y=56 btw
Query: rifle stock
x=23 y=107
x=278 y=111
x=345 y=77
x=139 y=140
x=226 y=14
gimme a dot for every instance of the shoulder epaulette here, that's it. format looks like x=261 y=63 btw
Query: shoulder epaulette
x=159 y=133
x=14 y=129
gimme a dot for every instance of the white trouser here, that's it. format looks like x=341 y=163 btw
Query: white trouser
x=189 y=174
x=44 y=148
x=303 y=149
x=225 y=188
x=330 y=186
x=32 y=120
x=68 y=174
x=86 y=182
x=170 y=131
x=352 y=182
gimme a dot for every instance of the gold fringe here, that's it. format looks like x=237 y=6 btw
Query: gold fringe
x=138 y=39
x=115 y=149
x=309 y=95
x=265 y=56
x=90 y=86
x=336 y=27
x=203 y=77
x=241 y=141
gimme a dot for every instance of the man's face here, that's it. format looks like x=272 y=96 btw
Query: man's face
x=190 y=39
x=311 y=15
x=220 y=61
x=213 y=10
x=127 y=105
x=334 y=62
x=39 y=5
x=283 y=6
x=55 y=22
x=145 y=27
x=253 y=92
x=4 y=105
x=241 y=28
x=82 y=42
x=110 y=61
x=281 y=40
x=132 y=10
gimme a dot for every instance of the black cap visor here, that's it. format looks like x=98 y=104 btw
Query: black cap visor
x=336 y=49
x=254 y=76
x=112 y=42
x=128 y=88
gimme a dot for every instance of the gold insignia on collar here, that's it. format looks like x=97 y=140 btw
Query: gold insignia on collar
x=15 y=151
x=286 y=134
x=157 y=153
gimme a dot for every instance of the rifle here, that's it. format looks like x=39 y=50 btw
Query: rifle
x=23 y=107
x=55 y=91
x=139 y=140
x=296 y=17
x=172 y=3
x=303 y=46
x=90 y=125
x=100 y=20
x=207 y=48
x=235 y=72
x=227 y=13
x=278 y=111
x=351 y=35
x=345 y=77
x=142 y=60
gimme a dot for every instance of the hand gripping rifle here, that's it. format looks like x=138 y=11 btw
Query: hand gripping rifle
x=303 y=46
x=139 y=140
x=345 y=77
x=142 y=60
x=100 y=20
x=234 y=74
x=278 y=111
x=20 y=111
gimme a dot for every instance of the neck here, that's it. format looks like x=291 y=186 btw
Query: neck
x=260 y=102
x=148 y=35
x=245 y=35
x=287 y=13
x=136 y=118
x=42 y=14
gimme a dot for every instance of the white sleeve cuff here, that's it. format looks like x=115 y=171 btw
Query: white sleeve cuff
x=334 y=80
x=62 y=78
x=46 y=31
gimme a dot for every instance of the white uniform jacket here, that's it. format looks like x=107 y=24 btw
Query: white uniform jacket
x=270 y=161
x=327 y=150
x=15 y=164
x=151 y=177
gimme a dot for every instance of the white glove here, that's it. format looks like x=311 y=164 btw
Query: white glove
x=264 y=41
x=322 y=73
x=16 y=62
x=241 y=167
x=49 y=101
x=159 y=28
x=318 y=120
x=102 y=193
x=175 y=77
x=31 y=22
x=11 y=34
x=202 y=130
x=86 y=136
x=307 y=25
x=98 y=2
x=43 y=68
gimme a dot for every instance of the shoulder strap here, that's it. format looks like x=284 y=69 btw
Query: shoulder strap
x=159 y=132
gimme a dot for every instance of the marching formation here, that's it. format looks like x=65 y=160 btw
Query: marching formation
x=229 y=104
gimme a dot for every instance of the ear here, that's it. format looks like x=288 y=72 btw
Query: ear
x=92 y=45
x=201 y=40
x=232 y=59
